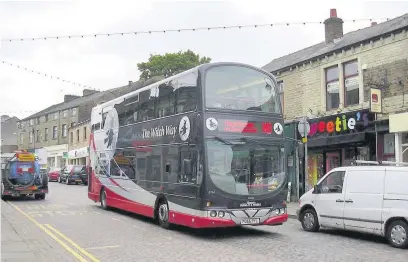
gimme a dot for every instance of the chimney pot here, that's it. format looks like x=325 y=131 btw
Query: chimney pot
x=333 y=12
x=333 y=27
x=373 y=23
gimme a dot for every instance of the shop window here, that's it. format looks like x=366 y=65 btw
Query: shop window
x=332 y=88
x=389 y=147
x=351 y=85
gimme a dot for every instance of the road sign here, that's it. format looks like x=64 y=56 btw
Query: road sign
x=303 y=127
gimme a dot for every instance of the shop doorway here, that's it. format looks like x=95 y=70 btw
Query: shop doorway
x=333 y=160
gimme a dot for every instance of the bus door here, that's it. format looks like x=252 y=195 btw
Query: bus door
x=187 y=178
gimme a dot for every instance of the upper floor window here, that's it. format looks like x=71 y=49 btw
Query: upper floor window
x=64 y=130
x=74 y=111
x=46 y=118
x=45 y=134
x=281 y=95
x=77 y=133
x=38 y=120
x=351 y=85
x=84 y=132
x=30 y=136
x=31 y=122
x=332 y=88
x=65 y=113
x=56 y=115
x=21 y=139
x=72 y=137
x=54 y=132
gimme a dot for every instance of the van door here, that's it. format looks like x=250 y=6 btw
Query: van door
x=364 y=200
x=329 y=200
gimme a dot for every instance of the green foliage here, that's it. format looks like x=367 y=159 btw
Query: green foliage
x=170 y=64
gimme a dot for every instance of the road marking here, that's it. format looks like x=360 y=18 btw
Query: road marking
x=80 y=249
x=105 y=247
x=43 y=228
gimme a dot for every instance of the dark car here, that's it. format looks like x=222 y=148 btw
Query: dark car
x=73 y=174
x=54 y=173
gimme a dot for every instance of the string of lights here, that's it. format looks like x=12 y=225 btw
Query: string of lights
x=183 y=30
x=45 y=74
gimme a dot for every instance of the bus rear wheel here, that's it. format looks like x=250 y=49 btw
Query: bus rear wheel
x=163 y=214
x=104 y=204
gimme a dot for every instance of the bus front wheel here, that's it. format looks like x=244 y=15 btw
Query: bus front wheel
x=163 y=214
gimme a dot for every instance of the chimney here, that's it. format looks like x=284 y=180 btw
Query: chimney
x=69 y=98
x=333 y=27
x=87 y=92
x=130 y=83
x=373 y=23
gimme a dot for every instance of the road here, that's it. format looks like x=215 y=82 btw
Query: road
x=120 y=236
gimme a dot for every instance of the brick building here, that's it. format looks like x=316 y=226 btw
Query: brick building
x=330 y=83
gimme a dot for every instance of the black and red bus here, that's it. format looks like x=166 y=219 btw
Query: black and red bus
x=203 y=149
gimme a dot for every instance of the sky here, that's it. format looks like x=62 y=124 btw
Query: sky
x=108 y=62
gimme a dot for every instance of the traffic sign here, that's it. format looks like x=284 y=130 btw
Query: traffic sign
x=303 y=127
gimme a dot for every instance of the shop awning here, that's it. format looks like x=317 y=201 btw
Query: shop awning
x=337 y=140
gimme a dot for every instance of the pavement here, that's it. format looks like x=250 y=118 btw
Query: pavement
x=84 y=232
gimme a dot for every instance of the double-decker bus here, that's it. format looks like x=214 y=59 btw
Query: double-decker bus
x=202 y=149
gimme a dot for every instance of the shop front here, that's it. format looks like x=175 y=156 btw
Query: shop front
x=338 y=140
x=399 y=128
x=56 y=155
x=78 y=156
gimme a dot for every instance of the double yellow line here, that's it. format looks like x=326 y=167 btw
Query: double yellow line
x=80 y=253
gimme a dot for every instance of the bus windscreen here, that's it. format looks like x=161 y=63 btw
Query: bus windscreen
x=240 y=88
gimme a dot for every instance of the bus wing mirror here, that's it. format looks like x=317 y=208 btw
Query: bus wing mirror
x=187 y=168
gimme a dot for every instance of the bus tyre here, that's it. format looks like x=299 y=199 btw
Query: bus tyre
x=104 y=204
x=309 y=220
x=163 y=214
x=39 y=196
x=397 y=234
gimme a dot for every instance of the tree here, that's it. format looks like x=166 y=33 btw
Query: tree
x=170 y=64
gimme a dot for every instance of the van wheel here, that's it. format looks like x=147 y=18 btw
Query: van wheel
x=104 y=204
x=163 y=214
x=309 y=220
x=397 y=234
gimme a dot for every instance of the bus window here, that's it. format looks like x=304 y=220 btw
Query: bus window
x=166 y=100
x=240 y=88
x=186 y=93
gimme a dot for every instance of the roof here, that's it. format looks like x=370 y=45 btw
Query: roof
x=347 y=40
x=89 y=99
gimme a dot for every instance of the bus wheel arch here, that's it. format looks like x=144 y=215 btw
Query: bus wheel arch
x=161 y=212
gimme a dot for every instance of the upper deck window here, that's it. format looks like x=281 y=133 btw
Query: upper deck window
x=240 y=88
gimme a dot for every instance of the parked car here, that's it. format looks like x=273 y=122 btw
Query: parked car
x=74 y=174
x=370 y=199
x=53 y=173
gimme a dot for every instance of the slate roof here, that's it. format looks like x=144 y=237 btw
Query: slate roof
x=348 y=40
x=91 y=99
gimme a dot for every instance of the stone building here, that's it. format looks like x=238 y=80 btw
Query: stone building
x=335 y=83
x=8 y=130
x=78 y=145
x=49 y=128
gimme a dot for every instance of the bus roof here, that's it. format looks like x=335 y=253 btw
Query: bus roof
x=197 y=69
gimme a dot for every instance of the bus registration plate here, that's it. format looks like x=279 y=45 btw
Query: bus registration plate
x=250 y=221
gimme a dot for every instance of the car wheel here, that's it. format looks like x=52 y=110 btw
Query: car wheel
x=397 y=234
x=104 y=204
x=163 y=214
x=309 y=220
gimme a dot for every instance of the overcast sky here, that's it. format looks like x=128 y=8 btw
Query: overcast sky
x=108 y=62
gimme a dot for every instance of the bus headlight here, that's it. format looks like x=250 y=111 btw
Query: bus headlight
x=213 y=213
x=221 y=214
x=283 y=211
x=276 y=211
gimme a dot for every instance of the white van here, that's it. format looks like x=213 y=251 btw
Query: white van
x=372 y=199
